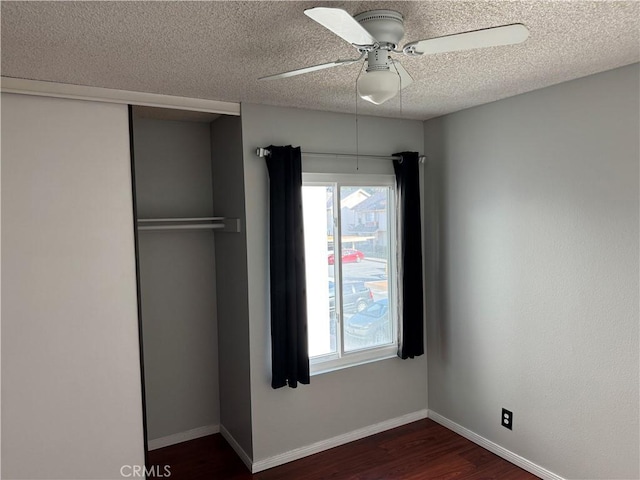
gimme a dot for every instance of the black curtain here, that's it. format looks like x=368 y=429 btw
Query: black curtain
x=289 y=346
x=411 y=341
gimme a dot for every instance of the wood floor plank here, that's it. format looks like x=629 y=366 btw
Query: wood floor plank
x=422 y=450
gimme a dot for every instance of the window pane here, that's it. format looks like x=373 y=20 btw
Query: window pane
x=317 y=211
x=365 y=240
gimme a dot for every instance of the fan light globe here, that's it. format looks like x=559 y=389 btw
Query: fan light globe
x=378 y=86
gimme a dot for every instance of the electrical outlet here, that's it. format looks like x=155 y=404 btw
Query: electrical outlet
x=507 y=419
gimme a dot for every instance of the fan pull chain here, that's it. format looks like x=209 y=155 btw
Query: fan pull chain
x=400 y=78
x=357 y=129
x=400 y=92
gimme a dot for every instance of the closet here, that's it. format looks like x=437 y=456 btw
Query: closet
x=177 y=227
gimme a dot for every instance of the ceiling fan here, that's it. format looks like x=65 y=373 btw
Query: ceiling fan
x=377 y=33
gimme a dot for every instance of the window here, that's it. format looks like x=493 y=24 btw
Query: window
x=350 y=296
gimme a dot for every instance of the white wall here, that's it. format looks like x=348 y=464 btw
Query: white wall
x=339 y=402
x=177 y=278
x=534 y=301
x=71 y=396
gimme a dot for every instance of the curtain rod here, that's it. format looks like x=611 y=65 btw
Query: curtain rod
x=264 y=152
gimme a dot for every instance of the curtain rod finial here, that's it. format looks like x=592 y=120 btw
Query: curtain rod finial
x=262 y=152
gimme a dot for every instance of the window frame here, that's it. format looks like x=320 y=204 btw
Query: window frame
x=340 y=359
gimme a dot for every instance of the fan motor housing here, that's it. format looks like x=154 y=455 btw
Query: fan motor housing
x=386 y=26
x=378 y=60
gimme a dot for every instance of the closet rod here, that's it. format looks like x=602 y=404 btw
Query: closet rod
x=182 y=227
x=180 y=220
x=264 y=152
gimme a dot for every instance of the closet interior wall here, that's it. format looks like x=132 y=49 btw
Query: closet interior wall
x=173 y=179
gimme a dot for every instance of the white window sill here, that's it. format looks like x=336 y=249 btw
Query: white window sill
x=331 y=363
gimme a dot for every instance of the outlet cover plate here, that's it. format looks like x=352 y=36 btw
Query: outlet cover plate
x=507 y=419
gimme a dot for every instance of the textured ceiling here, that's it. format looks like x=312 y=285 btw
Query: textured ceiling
x=217 y=50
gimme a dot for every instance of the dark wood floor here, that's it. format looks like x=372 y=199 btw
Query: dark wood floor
x=421 y=450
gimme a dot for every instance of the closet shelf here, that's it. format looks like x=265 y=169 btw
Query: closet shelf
x=221 y=224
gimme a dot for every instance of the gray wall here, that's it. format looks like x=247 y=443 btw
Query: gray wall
x=534 y=302
x=231 y=272
x=173 y=159
x=342 y=401
x=177 y=277
x=71 y=396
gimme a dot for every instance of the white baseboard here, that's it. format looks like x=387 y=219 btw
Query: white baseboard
x=246 y=459
x=183 y=436
x=514 y=458
x=336 y=441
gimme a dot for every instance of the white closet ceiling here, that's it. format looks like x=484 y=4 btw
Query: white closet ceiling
x=217 y=50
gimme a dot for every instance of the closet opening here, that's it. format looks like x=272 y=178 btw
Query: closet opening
x=177 y=223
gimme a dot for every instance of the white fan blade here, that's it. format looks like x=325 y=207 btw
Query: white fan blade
x=313 y=68
x=342 y=24
x=488 y=37
x=405 y=78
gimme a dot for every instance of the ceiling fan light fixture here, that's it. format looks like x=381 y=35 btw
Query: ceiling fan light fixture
x=378 y=86
x=377 y=34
